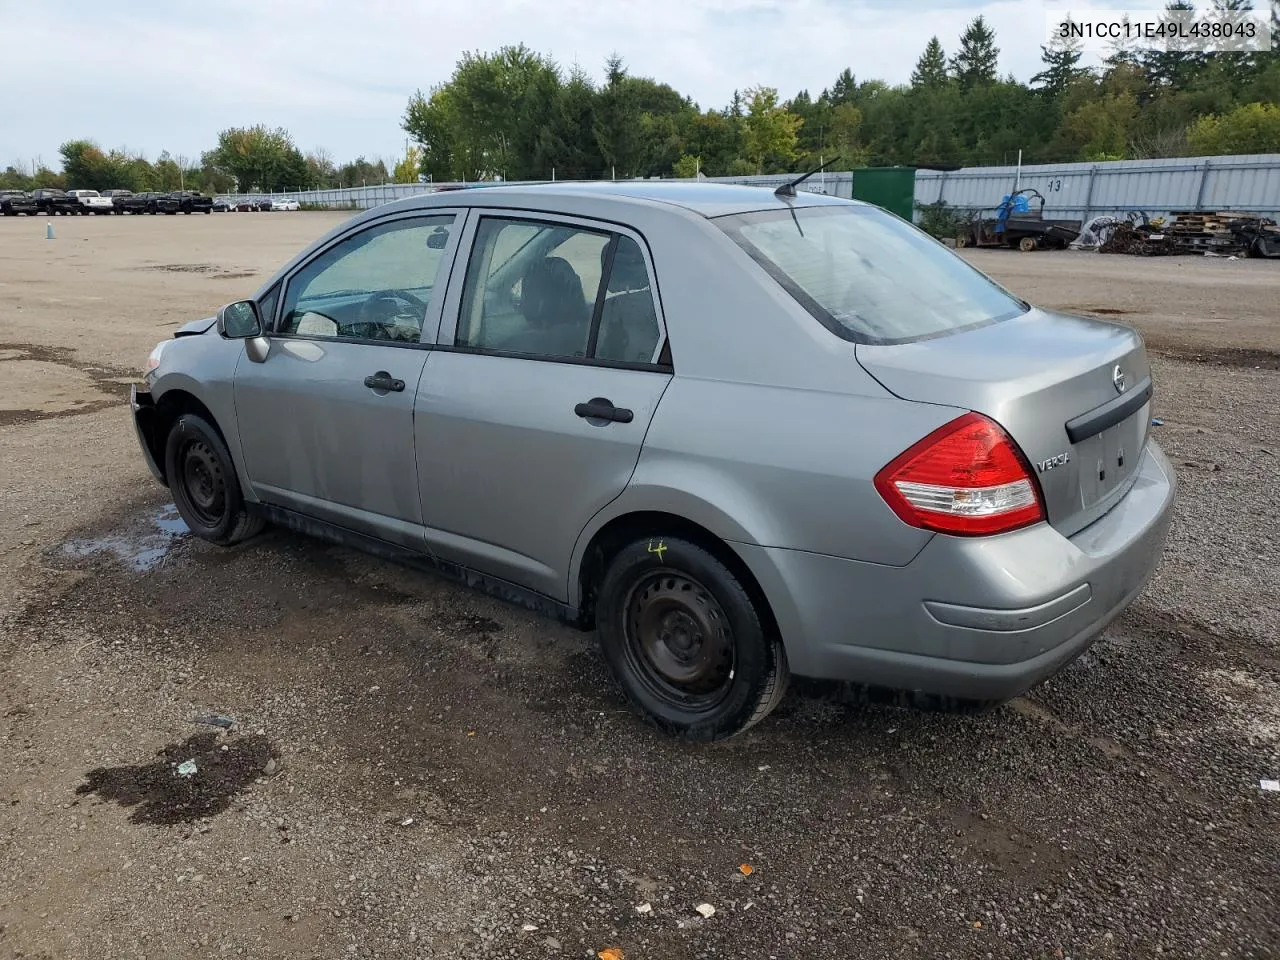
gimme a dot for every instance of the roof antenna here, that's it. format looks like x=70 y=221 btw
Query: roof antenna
x=788 y=189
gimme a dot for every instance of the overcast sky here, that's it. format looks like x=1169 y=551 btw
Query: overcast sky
x=153 y=76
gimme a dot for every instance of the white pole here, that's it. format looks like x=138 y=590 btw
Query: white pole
x=1017 y=180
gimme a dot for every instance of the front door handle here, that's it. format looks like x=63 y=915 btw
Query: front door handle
x=601 y=408
x=384 y=381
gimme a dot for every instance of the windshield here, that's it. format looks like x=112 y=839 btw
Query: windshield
x=867 y=275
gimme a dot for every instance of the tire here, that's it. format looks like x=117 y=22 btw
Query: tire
x=203 y=480
x=1027 y=244
x=685 y=641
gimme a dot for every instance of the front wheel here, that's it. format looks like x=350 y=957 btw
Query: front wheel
x=686 y=642
x=204 y=484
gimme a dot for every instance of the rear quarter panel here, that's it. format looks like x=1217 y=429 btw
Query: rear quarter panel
x=771 y=432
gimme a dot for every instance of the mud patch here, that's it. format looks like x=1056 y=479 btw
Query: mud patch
x=234 y=275
x=142 y=549
x=37 y=390
x=223 y=768
x=46 y=383
x=1222 y=357
x=186 y=267
x=1101 y=311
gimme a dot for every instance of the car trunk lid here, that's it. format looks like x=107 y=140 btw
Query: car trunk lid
x=1073 y=393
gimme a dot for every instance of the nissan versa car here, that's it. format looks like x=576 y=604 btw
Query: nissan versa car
x=740 y=433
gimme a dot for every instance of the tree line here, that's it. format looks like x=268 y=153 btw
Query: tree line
x=515 y=114
x=245 y=159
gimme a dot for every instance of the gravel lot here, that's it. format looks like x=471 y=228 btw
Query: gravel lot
x=419 y=771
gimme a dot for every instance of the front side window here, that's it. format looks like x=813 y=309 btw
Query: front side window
x=375 y=285
x=868 y=276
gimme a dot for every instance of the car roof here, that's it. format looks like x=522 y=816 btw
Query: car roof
x=706 y=199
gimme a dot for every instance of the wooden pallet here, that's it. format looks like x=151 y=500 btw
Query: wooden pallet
x=1205 y=224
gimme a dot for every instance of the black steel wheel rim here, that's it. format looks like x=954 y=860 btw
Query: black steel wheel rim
x=678 y=641
x=203 y=483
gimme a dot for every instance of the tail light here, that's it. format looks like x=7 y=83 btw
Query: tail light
x=967 y=478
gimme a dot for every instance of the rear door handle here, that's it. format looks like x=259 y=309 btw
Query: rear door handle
x=601 y=408
x=384 y=381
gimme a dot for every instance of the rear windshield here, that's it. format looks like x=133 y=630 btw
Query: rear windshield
x=869 y=276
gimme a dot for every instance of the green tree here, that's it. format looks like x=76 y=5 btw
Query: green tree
x=430 y=121
x=1250 y=128
x=687 y=167
x=976 y=60
x=1098 y=129
x=1061 y=58
x=566 y=145
x=260 y=158
x=617 y=121
x=407 y=169
x=1178 y=64
x=931 y=68
x=770 y=130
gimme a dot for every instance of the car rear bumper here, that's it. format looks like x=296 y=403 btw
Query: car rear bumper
x=982 y=618
x=145 y=427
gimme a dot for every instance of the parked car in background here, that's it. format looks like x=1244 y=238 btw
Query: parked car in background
x=284 y=203
x=193 y=201
x=832 y=447
x=262 y=203
x=246 y=205
x=118 y=199
x=51 y=201
x=14 y=202
x=91 y=201
x=223 y=205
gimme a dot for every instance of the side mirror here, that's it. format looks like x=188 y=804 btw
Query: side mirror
x=240 y=320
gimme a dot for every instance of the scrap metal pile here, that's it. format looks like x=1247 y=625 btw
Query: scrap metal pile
x=1230 y=234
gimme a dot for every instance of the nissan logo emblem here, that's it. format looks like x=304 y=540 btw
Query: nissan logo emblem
x=1117 y=377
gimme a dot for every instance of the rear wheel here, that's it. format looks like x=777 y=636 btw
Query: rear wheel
x=204 y=484
x=1027 y=244
x=686 y=642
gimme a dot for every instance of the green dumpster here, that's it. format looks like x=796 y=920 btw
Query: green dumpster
x=893 y=188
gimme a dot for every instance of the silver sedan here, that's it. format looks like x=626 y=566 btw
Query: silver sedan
x=739 y=433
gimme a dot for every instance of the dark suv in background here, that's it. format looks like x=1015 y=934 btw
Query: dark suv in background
x=54 y=202
x=14 y=202
x=118 y=199
x=193 y=201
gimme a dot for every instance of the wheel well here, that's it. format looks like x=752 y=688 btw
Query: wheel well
x=620 y=531
x=169 y=408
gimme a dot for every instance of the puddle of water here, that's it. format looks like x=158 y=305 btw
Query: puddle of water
x=140 y=550
x=163 y=796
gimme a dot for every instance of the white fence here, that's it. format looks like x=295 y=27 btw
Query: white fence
x=1081 y=190
x=835 y=184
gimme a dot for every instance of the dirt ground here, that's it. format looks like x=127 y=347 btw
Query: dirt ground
x=390 y=766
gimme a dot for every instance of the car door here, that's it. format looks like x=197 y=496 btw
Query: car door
x=326 y=419
x=533 y=406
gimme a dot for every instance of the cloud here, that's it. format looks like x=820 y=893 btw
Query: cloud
x=154 y=76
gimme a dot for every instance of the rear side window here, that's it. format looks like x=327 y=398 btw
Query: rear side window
x=558 y=291
x=869 y=276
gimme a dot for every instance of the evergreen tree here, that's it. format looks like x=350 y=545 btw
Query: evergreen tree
x=975 y=63
x=1061 y=58
x=931 y=69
